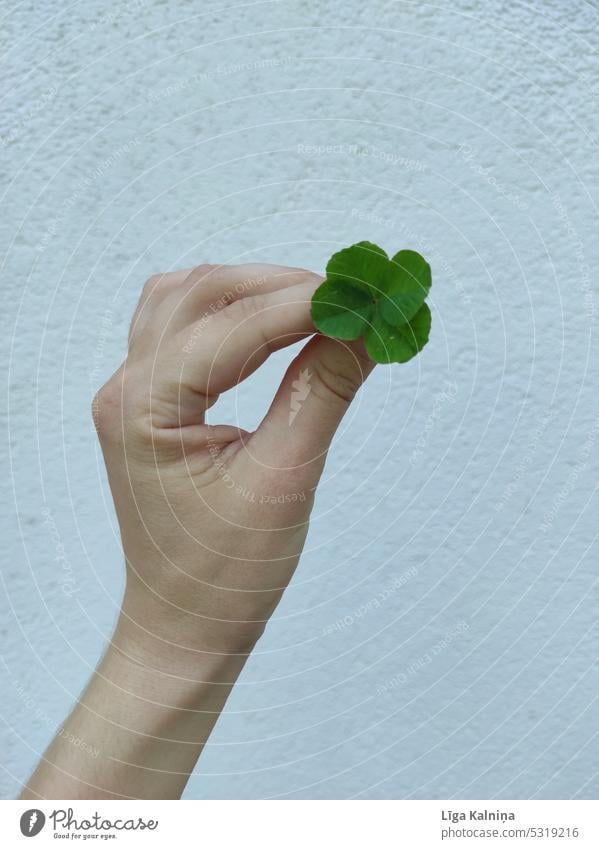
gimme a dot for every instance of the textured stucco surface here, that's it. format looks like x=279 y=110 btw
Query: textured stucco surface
x=141 y=137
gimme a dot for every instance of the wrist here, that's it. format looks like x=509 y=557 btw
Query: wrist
x=176 y=645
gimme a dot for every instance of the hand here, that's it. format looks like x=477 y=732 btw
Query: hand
x=213 y=518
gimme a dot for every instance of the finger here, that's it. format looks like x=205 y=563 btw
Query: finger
x=224 y=350
x=262 y=278
x=206 y=290
x=315 y=394
x=154 y=293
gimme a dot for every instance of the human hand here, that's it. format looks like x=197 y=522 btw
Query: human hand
x=213 y=518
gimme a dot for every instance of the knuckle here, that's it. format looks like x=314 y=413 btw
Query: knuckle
x=157 y=284
x=151 y=283
x=200 y=272
x=107 y=407
x=120 y=408
x=117 y=405
x=335 y=386
x=246 y=308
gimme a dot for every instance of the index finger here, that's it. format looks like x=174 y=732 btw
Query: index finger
x=232 y=344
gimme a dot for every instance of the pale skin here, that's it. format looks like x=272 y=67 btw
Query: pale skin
x=209 y=543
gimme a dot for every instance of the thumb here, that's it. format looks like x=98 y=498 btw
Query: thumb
x=316 y=392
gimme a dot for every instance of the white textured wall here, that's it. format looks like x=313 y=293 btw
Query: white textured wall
x=141 y=137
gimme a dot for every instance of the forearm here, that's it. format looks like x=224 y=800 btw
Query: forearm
x=142 y=724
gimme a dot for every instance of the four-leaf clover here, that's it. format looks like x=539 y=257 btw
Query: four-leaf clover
x=367 y=294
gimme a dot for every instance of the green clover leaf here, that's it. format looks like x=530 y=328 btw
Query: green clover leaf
x=341 y=309
x=367 y=294
x=388 y=344
x=407 y=284
x=363 y=266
